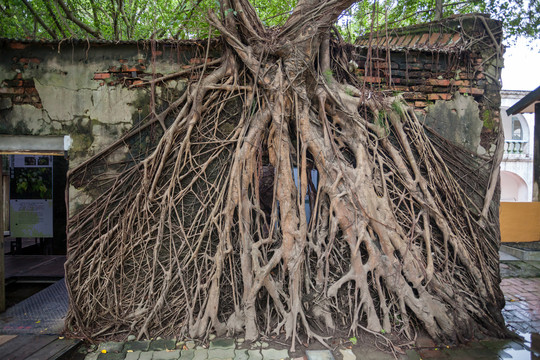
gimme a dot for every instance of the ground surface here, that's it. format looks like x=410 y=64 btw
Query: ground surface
x=521 y=286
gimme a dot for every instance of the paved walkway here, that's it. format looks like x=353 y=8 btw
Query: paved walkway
x=522 y=310
x=42 y=314
x=522 y=314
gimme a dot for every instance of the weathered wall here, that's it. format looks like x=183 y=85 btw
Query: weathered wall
x=87 y=91
x=449 y=71
x=94 y=91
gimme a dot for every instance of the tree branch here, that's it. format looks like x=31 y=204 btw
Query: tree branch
x=39 y=19
x=55 y=20
x=76 y=21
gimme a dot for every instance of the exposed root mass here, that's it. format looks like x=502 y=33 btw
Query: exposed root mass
x=283 y=198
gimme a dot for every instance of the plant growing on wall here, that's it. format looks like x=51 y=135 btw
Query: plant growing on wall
x=209 y=232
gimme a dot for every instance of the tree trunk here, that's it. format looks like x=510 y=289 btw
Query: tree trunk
x=185 y=242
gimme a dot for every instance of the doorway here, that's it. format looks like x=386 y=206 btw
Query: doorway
x=33 y=175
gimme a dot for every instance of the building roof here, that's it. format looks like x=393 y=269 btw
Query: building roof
x=526 y=104
x=89 y=41
x=453 y=34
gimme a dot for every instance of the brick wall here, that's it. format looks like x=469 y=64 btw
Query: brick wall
x=433 y=62
x=20 y=90
x=425 y=77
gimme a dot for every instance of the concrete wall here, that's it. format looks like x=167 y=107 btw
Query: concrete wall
x=92 y=91
x=87 y=91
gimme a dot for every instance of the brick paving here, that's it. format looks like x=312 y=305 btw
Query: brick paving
x=522 y=310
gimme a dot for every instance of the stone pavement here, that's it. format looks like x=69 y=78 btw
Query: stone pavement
x=522 y=310
x=219 y=349
x=520 y=285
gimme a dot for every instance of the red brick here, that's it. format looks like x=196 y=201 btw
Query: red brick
x=439 y=82
x=439 y=96
x=114 y=69
x=122 y=61
x=372 y=79
x=414 y=96
x=422 y=88
x=100 y=76
x=470 y=90
x=30 y=90
x=17 y=46
x=137 y=82
x=127 y=68
x=461 y=83
x=29 y=60
x=420 y=104
x=400 y=88
x=10 y=90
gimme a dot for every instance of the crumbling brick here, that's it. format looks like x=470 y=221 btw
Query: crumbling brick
x=101 y=76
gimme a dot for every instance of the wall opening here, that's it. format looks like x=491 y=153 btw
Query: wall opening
x=513 y=187
x=34 y=216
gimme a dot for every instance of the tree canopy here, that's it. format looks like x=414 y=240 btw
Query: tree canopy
x=187 y=19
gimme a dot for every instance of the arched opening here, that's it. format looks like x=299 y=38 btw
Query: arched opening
x=513 y=187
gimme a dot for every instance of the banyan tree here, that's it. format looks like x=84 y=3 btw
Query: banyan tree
x=278 y=195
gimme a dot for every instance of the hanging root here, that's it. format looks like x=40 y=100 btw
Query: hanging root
x=279 y=200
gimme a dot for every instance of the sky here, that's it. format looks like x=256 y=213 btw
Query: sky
x=522 y=66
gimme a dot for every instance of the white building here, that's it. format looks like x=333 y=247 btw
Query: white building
x=517 y=162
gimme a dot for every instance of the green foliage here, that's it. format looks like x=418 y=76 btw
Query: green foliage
x=124 y=20
x=328 y=74
x=187 y=19
x=520 y=17
x=488 y=120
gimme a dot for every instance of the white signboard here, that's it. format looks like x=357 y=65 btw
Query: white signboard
x=30 y=203
x=31 y=218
